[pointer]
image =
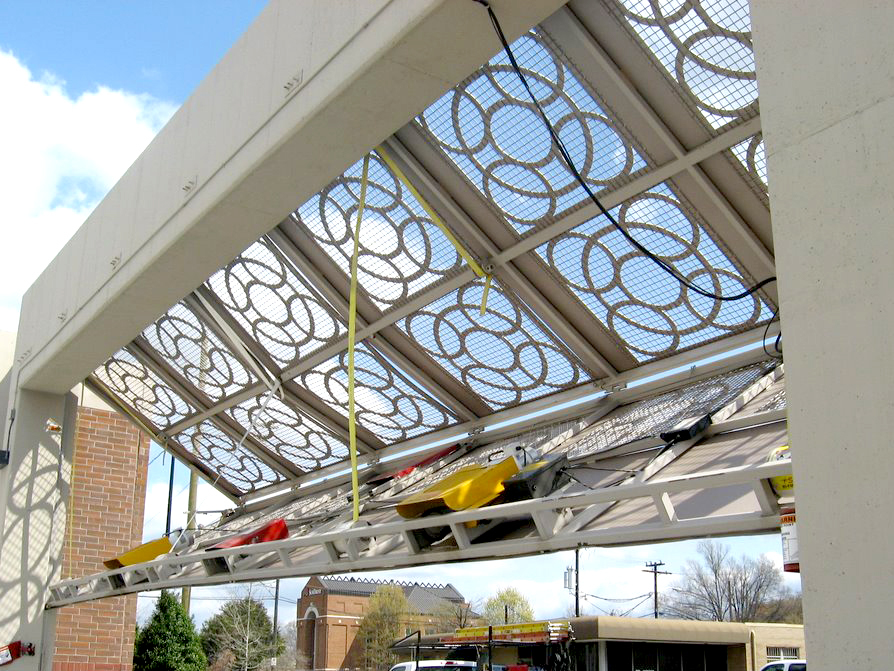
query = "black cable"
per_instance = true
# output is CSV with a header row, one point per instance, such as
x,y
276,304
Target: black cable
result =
x,y
12,419
778,337
610,470
661,263
580,482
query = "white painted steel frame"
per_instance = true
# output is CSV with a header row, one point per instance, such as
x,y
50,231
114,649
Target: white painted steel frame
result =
x,y
557,524
169,572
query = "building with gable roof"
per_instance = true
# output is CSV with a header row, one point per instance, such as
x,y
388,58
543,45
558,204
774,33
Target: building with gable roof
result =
x,y
330,610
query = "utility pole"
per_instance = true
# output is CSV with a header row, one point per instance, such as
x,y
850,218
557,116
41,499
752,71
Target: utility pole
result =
x,y
170,496
577,581
653,569
186,594
276,621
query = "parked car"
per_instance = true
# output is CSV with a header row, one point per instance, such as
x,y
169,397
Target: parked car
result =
x,y
786,665
435,665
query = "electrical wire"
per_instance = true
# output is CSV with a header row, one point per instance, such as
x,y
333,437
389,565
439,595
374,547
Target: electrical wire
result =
x,y
661,263
610,470
626,613
778,338
605,598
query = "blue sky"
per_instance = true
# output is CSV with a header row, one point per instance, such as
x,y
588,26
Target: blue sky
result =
x,y
86,86
160,47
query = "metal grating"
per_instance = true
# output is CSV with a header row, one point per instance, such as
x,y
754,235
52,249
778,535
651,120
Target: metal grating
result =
x,y
185,342
493,134
283,430
401,250
769,400
214,447
648,311
388,402
649,417
705,47
274,304
504,356
141,389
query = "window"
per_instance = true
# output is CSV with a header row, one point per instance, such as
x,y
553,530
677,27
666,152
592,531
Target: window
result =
x,y
775,654
715,657
645,657
797,667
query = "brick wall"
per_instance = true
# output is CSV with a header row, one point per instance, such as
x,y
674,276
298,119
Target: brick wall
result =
x,y
108,496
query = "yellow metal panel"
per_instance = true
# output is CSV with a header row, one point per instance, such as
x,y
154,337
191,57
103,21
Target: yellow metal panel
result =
x,y
141,553
470,487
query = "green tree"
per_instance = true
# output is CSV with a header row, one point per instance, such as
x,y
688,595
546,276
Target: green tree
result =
x,y
381,626
507,600
168,642
240,636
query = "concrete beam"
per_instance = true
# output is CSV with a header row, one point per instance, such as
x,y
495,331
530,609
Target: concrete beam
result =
x,y
826,77
307,90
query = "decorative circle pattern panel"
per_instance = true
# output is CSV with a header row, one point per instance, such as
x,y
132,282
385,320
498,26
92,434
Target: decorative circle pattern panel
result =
x,y
387,402
651,416
276,305
401,250
647,310
493,133
706,48
215,448
281,429
753,160
189,346
504,357
142,390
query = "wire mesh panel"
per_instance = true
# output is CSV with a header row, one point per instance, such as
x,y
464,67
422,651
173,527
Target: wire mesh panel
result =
x,y
705,48
139,388
649,417
283,430
388,403
753,163
184,341
770,399
274,304
220,452
493,134
504,356
401,250
645,309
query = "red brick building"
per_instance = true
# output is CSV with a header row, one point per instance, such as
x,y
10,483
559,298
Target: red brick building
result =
x,y
330,610
106,518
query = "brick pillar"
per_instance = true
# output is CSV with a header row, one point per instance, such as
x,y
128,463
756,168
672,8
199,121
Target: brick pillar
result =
x,y
108,497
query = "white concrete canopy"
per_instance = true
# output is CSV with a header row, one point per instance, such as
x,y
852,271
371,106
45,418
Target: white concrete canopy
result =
x,y
207,296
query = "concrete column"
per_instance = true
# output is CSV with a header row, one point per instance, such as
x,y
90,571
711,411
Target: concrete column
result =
x,y
826,79
33,498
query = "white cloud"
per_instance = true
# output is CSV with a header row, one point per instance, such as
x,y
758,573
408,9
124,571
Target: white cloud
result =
x,y
60,156
155,517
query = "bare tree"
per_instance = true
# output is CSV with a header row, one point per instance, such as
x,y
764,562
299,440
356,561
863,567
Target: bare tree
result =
x,y
458,614
242,634
288,656
722,588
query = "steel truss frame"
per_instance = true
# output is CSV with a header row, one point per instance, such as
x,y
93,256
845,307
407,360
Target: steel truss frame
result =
x,y
561,521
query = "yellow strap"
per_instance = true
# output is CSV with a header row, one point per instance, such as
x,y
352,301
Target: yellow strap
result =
x,y
352,331
473,264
